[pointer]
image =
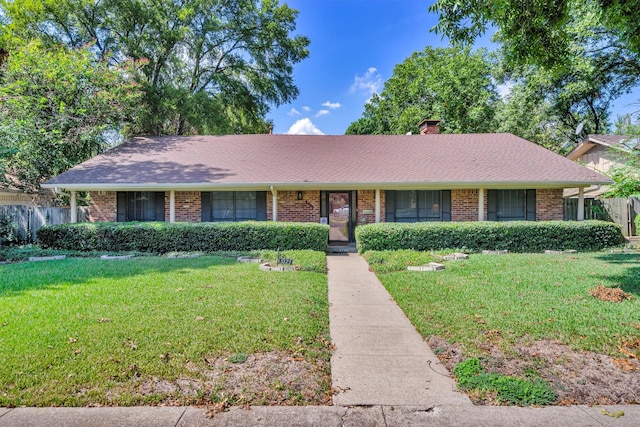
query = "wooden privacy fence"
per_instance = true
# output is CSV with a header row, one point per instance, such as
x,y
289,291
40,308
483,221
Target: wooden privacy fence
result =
x,y
622,211
29,219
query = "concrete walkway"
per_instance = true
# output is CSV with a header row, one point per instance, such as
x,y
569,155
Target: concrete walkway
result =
x,y
323,416
380,358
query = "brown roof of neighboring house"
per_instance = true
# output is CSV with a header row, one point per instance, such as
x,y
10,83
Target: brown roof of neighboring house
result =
x,y
327,162
620,142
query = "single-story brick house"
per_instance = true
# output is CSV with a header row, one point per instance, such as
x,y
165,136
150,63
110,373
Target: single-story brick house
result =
x,y
343,180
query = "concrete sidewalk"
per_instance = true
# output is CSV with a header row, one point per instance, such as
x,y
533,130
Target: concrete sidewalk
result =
x,y
324,416
379,357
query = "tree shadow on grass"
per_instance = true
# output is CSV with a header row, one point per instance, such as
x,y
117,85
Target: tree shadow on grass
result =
x,y
27,276
629,279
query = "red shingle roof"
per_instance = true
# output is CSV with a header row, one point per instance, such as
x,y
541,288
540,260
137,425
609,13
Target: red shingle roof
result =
x,y
327,162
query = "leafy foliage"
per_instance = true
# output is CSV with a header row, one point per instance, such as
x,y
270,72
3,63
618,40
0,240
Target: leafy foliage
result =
x,y
163,237
510,390
59,108
450,84
8,231
516,236
539,31
572,58
211,66
626,182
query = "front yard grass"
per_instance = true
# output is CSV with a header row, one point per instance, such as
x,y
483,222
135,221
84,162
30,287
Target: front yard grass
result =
x,y
154,330
513,311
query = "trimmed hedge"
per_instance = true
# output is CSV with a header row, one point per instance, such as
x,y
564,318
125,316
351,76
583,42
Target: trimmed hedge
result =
x,y
161,237
517,236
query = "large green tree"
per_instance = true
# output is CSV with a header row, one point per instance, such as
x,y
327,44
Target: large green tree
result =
x,y
571,57
541,31
211,66
59,107
451,84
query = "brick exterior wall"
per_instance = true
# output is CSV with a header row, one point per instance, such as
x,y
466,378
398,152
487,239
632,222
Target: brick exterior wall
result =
x,y
290,209
367,201
188,205
103,206
464,205
549,205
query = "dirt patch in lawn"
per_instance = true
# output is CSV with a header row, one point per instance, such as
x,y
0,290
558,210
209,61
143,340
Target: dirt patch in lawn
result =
x,y
578,377
274,378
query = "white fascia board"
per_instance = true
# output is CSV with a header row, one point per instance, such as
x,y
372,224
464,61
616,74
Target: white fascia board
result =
x,y
329,186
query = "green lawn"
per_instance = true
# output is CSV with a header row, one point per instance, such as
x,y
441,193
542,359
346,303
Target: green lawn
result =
x,y
519,295
73,331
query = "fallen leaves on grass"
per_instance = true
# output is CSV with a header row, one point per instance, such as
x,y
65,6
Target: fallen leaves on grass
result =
x,y
609,294
630,348
104,320
130,343
627,365
216,409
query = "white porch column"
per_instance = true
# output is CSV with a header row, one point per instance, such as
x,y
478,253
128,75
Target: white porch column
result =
x,y
172,206
481,204
581,204
377,205
274,204
74,208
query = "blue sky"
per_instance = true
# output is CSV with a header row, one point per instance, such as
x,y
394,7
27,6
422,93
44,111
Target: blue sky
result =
x,y
354,46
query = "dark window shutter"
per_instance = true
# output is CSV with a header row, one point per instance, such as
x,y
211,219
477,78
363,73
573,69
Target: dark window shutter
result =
x,y
531,205
205,206
121,207
324,211
492,205
390,205
445,205
159,195
261,205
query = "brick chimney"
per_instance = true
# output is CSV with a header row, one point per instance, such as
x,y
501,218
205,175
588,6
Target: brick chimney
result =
x,y
429,126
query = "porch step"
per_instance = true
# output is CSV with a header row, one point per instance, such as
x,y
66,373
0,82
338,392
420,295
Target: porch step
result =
x,y
341,249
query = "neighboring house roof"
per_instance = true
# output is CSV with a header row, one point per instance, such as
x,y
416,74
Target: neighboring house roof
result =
x,y
619,142
199,163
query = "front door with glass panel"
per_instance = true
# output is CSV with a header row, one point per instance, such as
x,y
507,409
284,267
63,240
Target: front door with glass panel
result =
x,y
339,216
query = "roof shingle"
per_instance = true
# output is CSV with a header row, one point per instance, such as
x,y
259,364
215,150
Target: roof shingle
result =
x,y
380,161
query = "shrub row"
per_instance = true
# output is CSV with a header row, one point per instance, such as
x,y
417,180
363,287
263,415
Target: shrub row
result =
x,y
517,236
161,237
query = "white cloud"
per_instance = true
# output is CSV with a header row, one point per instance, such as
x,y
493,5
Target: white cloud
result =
x,y
370,82
332,105
293,112
304,127
307,109
505,89
322,113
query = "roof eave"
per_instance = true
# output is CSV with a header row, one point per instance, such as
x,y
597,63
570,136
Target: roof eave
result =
x,y
330,186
